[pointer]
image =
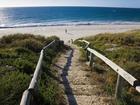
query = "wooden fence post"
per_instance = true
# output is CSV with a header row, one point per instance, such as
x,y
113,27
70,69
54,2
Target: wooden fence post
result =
x,y
118,87
61,44
91,59
87,55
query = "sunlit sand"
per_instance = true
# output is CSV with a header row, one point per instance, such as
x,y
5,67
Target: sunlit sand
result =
x,y
73,32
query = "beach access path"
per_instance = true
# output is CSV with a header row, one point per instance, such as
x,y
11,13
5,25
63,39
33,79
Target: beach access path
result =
x,y
77,80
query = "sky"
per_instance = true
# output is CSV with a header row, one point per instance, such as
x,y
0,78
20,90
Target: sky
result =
x,y
100,3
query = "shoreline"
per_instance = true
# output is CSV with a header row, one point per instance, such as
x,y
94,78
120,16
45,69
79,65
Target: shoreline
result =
x,y
69,24
73,32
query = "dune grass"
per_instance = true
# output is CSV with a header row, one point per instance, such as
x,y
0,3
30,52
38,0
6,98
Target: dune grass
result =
x,y
124,50
19,54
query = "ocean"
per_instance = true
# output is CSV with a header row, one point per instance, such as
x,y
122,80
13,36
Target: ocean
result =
x,y
61,16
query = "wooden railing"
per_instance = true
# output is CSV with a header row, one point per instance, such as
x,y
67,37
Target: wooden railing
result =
x,y
122,74
33,87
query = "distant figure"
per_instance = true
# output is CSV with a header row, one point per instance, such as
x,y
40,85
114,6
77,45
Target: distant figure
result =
x,y
72,41
66,31
69,41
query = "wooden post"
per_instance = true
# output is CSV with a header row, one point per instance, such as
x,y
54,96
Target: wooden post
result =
x,y
118,87
91,59
61,44
87,55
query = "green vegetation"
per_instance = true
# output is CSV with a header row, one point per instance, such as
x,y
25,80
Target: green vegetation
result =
x,y
124,50
82,55
19,54
50,92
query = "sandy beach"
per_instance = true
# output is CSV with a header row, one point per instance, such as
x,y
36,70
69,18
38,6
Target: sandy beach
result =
x,y
73,32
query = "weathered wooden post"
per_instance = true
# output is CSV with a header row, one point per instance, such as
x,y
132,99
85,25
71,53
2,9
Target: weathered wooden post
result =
x,y
92,63
91,59
87,55
118,87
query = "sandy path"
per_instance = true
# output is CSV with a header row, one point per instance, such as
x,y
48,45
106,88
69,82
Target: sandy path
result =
x,y
76,81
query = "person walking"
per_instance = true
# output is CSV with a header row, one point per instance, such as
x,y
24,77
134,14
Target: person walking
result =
x,y
66,31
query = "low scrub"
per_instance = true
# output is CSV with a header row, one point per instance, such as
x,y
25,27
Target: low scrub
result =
x,y
11,87
19,54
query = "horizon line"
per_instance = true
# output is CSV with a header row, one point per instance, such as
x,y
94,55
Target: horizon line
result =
x,y
69,6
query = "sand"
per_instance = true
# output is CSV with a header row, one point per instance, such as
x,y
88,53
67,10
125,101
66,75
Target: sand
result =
x,y
73,32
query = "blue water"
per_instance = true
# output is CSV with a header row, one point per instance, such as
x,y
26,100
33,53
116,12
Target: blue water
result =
x,y
53,16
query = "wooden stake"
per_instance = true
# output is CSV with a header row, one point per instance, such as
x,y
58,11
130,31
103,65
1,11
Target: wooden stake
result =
x,y
91,59
87,55
118,87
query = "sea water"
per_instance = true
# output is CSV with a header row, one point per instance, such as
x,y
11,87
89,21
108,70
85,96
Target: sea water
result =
x,y
61,16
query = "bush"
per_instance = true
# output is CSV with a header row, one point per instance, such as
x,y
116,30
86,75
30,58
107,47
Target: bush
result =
x,y
31,44
50,39
21,50
24,65
19,54
12,86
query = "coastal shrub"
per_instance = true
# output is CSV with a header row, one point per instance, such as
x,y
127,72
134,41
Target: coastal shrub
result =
x,y
50,95
3,71
24,66
50,39
49,54
13,37
19,54
8,55
12,86
19,36
110,82
133,68
21,50
128,40
16,38
30,44
6,40
50,92
33,45
82,55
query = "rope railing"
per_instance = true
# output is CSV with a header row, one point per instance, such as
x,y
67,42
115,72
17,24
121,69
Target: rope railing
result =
x,y
121,72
